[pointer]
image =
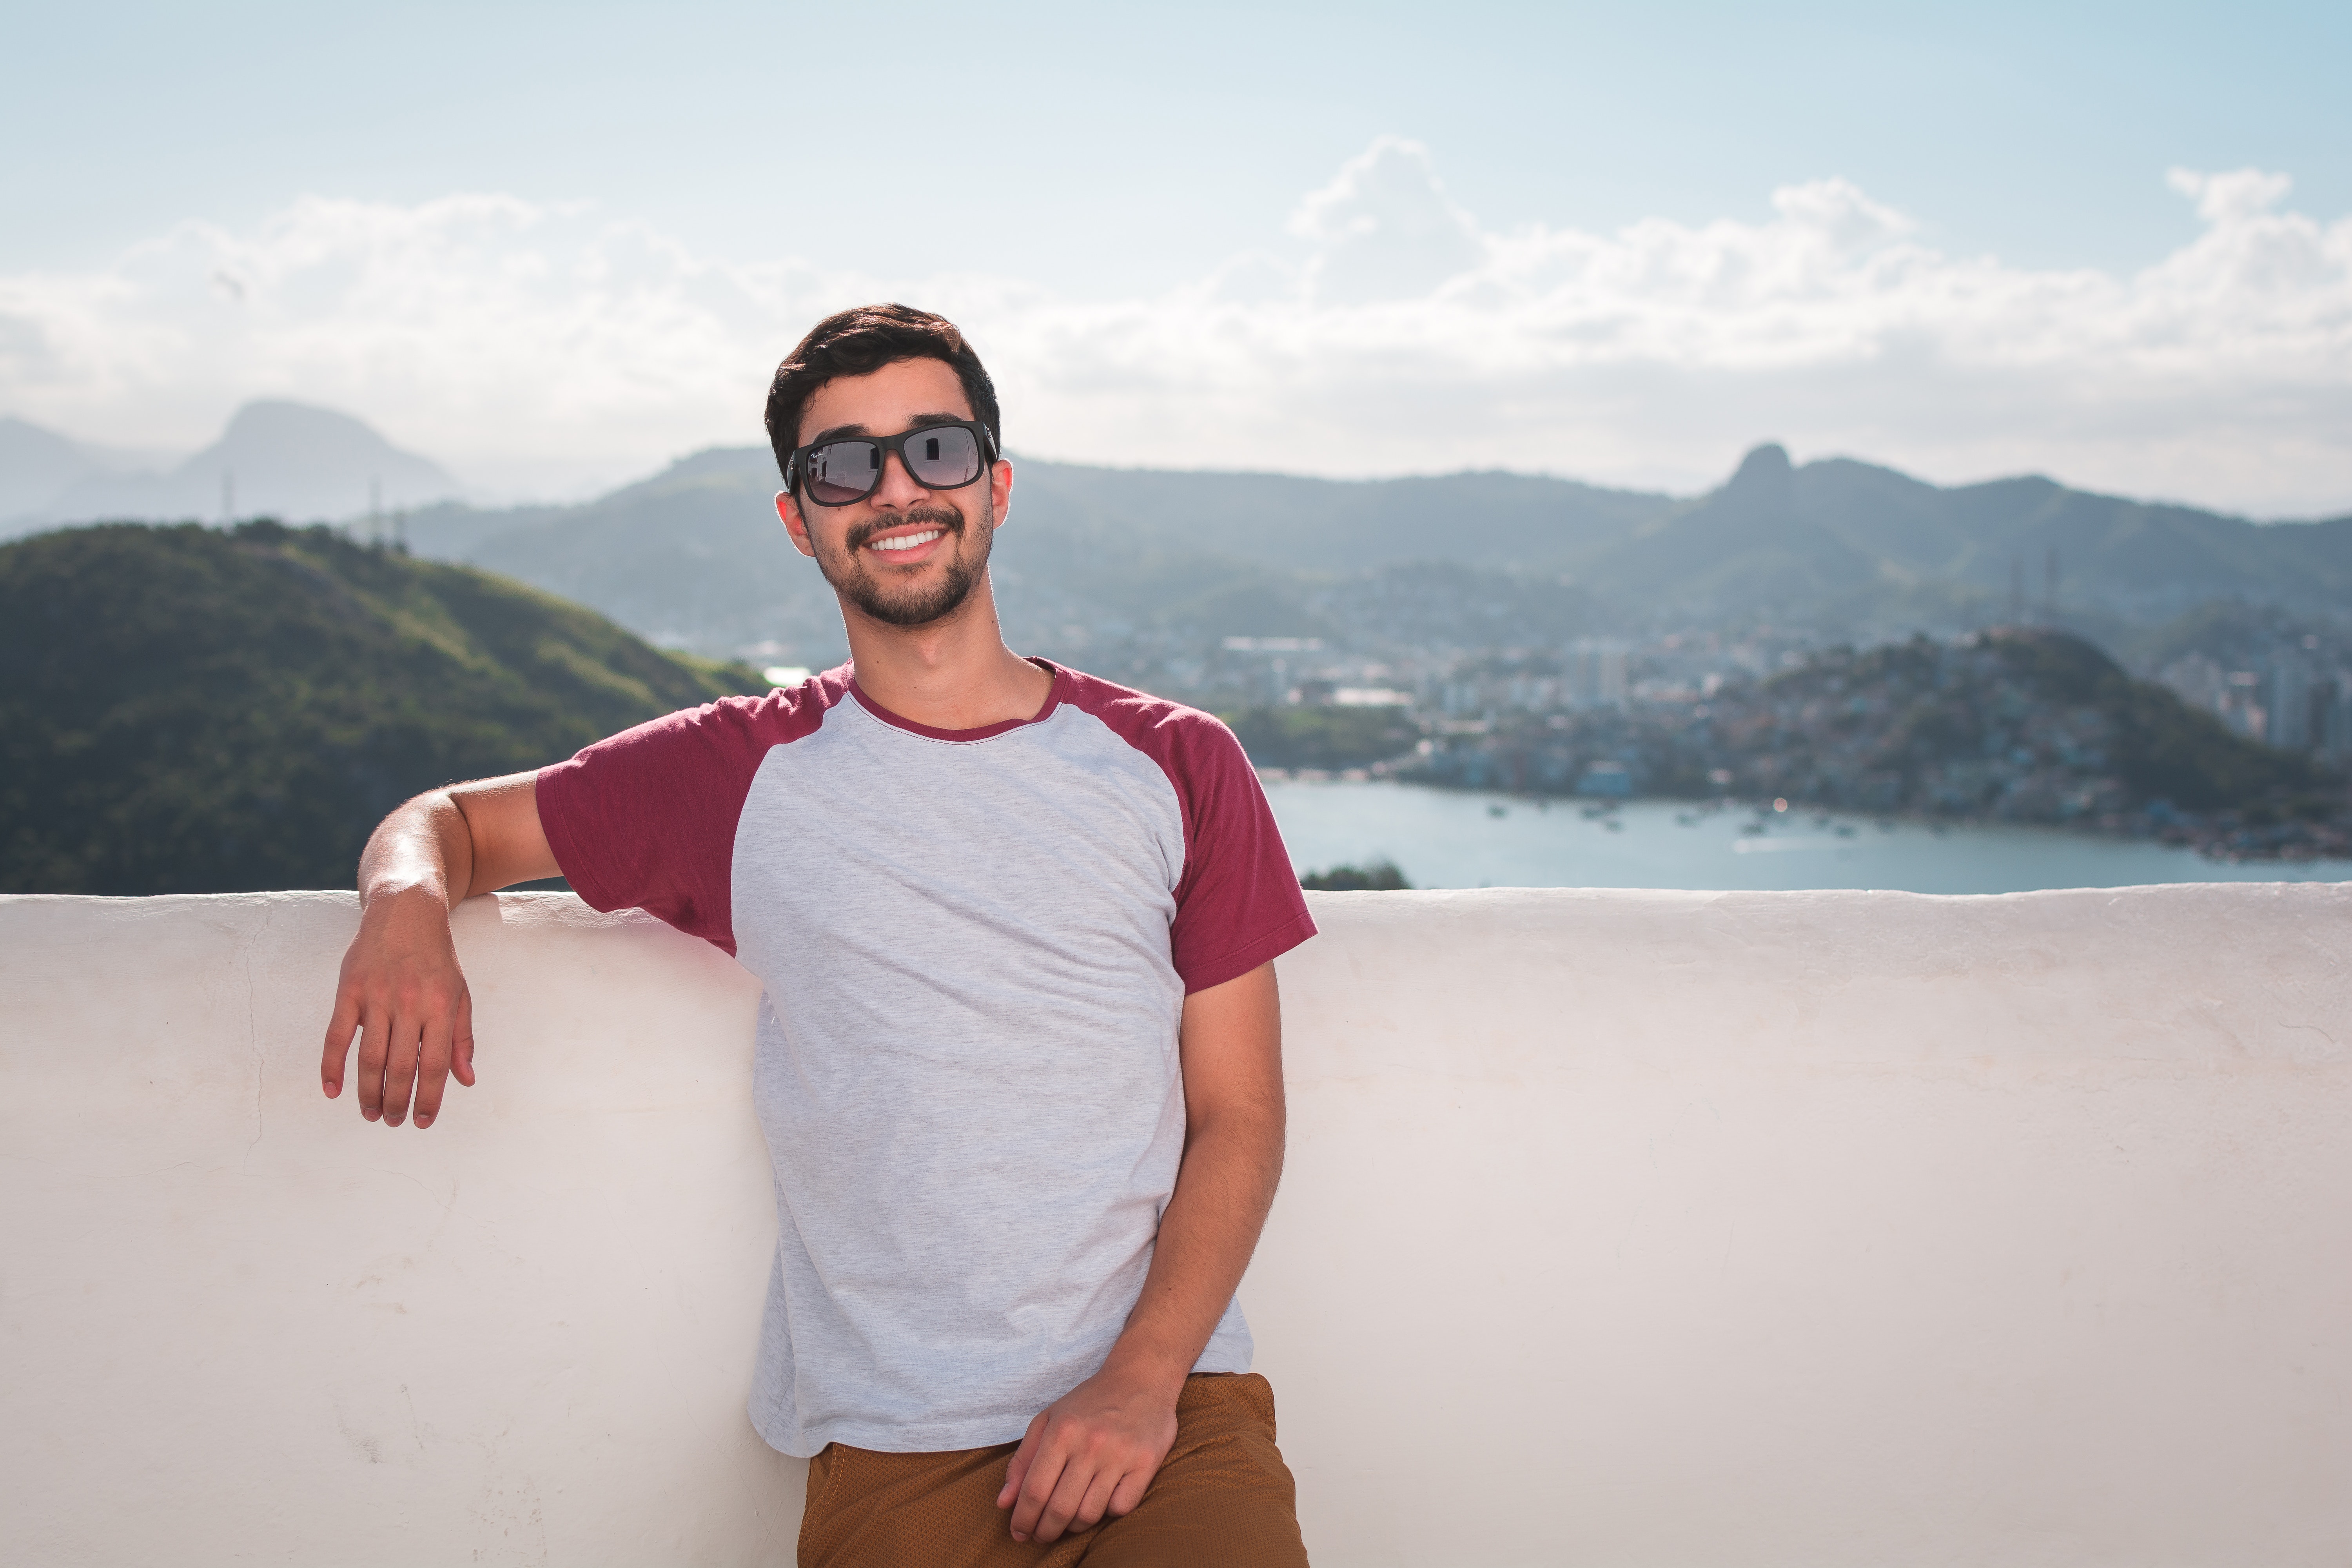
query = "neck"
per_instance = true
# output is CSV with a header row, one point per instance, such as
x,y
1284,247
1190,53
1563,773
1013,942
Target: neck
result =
x,y
953,674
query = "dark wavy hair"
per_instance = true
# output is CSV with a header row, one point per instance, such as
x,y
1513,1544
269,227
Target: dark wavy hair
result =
x,y
860,342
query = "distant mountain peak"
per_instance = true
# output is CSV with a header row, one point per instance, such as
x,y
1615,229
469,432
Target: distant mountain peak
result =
x,y
1765,466
1763,490
302,446
277,457
274,416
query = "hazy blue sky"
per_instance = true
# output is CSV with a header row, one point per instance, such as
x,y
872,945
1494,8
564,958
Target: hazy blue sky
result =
x,y
1115,148
1108,155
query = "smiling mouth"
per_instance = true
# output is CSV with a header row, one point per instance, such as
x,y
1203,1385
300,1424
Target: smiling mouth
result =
x,y
907,541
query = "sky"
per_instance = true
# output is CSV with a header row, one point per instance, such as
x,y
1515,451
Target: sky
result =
x,y
553,247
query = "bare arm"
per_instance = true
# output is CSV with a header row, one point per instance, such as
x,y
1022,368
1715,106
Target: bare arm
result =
x,y
401,987
1095,1450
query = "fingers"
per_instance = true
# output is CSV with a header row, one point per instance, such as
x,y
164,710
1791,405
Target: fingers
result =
x,y
412,1052
433,1065
1096,1501
401,1062
1060,1489
462,1051
1078,1493
1062,1506
1130,1492
375,1028
1021,1457
339,1029
1082,1458
1037,1483
1036,1492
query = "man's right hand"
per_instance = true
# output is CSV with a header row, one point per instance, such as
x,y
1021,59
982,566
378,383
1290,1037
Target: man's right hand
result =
x,y
402,989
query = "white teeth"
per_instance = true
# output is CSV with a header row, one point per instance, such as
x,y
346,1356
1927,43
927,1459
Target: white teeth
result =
x,y
905,541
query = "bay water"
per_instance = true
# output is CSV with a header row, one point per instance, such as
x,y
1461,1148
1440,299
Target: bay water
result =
x,y
1459,838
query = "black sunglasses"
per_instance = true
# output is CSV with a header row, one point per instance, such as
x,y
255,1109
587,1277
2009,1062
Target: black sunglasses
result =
x,y
943,457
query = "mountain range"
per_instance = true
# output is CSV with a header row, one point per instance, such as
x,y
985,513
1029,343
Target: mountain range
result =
x,y
694,557
288,460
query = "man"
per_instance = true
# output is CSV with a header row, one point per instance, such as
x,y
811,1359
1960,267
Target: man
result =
x,y
1019,1062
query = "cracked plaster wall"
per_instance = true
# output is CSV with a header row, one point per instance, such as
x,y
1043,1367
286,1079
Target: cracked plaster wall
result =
x,y
1635,1228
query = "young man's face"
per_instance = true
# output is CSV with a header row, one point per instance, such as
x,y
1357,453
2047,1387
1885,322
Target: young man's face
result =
x,y
905,555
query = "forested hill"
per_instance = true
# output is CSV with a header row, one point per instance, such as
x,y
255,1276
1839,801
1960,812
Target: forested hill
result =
x,y
183,709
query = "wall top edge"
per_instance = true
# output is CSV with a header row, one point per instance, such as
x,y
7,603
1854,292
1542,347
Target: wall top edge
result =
x,y
1402,900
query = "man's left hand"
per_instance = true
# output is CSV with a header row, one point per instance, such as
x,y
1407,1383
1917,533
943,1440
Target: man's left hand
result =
x,y
1088,1455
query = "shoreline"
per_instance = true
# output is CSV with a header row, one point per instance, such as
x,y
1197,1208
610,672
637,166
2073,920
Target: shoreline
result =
x,y
2224,837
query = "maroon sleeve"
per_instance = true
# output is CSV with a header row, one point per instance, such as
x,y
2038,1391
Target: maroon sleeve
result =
x,y
1237,902
647,819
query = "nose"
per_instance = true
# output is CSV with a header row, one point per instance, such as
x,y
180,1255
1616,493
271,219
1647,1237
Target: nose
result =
x,y
899,489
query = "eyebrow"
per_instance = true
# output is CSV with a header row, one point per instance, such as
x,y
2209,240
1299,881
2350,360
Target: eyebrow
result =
x,y
920,421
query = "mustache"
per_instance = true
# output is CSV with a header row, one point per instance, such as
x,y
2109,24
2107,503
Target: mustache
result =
x,y
936,514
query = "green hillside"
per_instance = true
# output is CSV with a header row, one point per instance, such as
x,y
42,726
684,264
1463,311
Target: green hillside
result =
x,y
183,709
2018,724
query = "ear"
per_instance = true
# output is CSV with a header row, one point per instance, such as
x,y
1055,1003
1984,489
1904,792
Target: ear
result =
x,y
795,524
999,489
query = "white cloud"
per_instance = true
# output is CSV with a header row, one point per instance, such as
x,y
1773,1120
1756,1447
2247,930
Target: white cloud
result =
x,y
520,341
1383,229
2236,196
535,345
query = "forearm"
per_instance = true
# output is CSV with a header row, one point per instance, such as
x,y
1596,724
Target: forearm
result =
x,y
1223,1189
425,846
458,842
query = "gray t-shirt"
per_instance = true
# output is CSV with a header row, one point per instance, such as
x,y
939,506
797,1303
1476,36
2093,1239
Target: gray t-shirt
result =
x,y
976,946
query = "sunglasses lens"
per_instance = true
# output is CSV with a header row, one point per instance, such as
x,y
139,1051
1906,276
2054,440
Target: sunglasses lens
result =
x,y
944,458
840,472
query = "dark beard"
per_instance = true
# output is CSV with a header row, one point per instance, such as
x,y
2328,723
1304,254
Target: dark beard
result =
x,y
909,609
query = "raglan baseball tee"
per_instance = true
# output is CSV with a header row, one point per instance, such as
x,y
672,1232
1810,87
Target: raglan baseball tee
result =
x,y
975,947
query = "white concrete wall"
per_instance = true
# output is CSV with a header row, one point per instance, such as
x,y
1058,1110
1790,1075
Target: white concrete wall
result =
x,y
1620,1229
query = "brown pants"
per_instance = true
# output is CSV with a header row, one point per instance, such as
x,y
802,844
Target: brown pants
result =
x,y
1222,1497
